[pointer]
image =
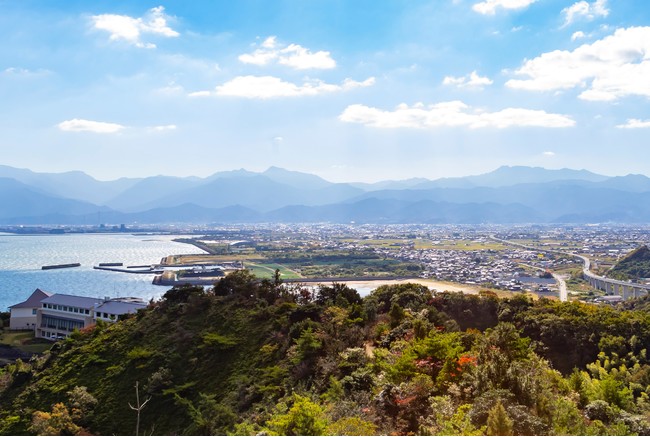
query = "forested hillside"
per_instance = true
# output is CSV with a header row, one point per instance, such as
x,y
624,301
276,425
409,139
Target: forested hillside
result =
x,y
636,265
247,356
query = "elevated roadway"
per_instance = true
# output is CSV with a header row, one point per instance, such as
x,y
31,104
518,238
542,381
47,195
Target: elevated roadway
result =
x,y
627,290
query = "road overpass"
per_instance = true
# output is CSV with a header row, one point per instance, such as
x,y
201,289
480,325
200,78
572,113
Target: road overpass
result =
x,y
627,290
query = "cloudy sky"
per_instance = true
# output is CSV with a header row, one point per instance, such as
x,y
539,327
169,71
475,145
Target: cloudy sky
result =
x,y
355,90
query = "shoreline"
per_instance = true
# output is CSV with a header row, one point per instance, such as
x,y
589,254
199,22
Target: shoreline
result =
x,y
439,286
431,283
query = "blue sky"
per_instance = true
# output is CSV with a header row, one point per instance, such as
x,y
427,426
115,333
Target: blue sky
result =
x,y
350,90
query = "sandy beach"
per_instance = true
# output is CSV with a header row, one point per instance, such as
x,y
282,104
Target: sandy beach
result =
x,y
431,283
365,287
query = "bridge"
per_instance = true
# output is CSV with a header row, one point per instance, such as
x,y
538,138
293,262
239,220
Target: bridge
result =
x,y
627,290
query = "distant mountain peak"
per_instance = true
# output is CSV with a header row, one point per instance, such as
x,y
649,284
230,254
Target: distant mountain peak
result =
x,y
274,168
295,178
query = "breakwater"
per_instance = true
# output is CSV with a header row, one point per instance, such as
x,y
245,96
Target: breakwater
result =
x,y
60,266
148,271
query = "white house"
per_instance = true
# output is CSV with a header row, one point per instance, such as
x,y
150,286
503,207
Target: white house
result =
x,y
23,315
60,314
54,316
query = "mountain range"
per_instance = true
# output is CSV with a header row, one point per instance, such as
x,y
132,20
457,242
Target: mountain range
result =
x,y
506,195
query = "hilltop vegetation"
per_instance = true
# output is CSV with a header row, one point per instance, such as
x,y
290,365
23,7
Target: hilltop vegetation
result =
x,y
635,265
249,356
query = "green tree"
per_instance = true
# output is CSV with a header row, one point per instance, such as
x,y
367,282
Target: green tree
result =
x,y
307,346
303,418
209,417
498,422
238,282
396,314
447,419
351,426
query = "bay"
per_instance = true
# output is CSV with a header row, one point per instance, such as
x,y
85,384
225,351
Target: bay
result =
x,y
22,256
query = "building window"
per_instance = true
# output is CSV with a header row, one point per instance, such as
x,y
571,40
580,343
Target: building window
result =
x,y
60,323
87,311
33,310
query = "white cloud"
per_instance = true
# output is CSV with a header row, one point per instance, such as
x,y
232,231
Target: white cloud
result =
x,y
165,127
200,94
613,67
549,154
268,87
292,55
129,29
472,80
171,89
80,125
582,9
634,123
489,7
577,35
25,72
451,114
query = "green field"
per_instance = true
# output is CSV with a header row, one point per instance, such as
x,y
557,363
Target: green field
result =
x,y
25,341
267,271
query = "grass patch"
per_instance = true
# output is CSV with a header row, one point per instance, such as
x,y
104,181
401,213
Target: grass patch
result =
x,y
24,341
208,259
267,271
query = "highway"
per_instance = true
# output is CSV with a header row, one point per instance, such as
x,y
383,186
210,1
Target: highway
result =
x,y
585,270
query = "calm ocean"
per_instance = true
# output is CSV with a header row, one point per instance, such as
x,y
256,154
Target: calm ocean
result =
x,y
21,258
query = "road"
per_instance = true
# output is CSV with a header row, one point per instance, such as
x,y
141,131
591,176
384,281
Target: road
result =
x,y
564,294
561,283
586,270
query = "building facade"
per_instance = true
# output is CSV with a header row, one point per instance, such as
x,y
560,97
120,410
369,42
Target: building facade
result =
x,y
55,316
23,315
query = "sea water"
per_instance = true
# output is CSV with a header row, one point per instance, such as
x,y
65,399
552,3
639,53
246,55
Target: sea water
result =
x,y
22,256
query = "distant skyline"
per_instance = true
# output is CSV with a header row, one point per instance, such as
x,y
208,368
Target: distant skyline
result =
x,y
348,90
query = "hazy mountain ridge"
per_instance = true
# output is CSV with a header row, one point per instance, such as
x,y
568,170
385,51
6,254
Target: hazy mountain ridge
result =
x,y
506,195
72,185
21,200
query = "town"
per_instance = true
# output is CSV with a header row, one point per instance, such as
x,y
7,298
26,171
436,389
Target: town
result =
x,y
526,258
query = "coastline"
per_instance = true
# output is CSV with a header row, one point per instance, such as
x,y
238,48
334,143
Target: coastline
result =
x,y
431,283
